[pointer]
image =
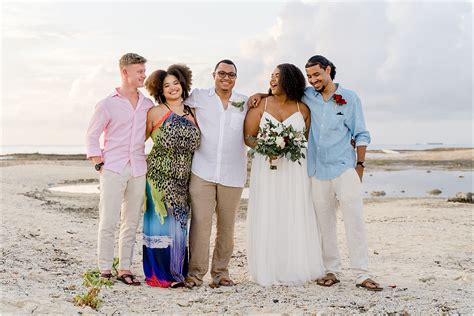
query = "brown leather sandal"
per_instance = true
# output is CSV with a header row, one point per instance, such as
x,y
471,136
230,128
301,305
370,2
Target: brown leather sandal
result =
x,y
329,280
189,283
128,279
222,282
374,286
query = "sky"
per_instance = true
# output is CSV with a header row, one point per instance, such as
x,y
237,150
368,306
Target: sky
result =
x,y
410,62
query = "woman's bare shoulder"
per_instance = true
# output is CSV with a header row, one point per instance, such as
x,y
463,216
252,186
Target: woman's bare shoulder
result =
x,y
157,112
304,108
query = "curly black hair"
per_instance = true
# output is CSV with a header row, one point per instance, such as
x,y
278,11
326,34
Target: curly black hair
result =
x,y
323,62
154,82
291,81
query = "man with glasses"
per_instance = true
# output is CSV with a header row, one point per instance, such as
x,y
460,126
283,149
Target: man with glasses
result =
x,y
219,171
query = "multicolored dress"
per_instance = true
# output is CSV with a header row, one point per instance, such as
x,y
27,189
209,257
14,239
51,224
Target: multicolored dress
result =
x,y
165,253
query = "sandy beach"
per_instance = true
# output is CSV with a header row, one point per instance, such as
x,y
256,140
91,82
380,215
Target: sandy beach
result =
x,y
422,246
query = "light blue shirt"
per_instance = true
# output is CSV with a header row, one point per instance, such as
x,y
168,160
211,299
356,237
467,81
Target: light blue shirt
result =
x,y
330,152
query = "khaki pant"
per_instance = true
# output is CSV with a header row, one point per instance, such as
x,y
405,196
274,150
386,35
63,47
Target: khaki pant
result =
x,y
343,193
205,198
121,198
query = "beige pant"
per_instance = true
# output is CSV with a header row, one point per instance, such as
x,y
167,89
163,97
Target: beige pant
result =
x,y
121,198
205,198
343,193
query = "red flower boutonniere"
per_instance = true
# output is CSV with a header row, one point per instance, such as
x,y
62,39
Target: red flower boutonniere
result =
x,y
339,100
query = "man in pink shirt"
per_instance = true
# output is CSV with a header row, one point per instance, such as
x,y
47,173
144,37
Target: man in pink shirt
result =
x,y
122,165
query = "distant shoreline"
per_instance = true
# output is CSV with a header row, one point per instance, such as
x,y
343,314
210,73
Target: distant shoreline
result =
x,y
436,158
79,156
8,150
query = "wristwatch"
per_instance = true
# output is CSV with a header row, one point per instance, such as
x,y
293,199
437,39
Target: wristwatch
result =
x,y
361,163
98,166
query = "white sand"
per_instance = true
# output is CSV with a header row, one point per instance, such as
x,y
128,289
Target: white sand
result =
x,y
423,246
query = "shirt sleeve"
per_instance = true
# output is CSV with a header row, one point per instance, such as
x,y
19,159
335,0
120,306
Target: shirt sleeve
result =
x,y
358,129
191,101
97,125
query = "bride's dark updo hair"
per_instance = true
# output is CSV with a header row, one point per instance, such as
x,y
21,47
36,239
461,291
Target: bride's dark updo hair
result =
x,y
154,82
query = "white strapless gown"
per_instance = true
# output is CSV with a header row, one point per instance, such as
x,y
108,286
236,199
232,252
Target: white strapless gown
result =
x,y
283,243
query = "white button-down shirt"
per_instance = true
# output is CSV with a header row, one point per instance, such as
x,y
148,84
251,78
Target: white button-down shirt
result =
x,y
222,156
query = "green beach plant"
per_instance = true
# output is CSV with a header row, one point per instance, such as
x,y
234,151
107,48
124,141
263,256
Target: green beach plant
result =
x,y
94,283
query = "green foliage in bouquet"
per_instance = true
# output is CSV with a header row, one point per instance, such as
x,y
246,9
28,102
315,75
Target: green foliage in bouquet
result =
x,y
279,141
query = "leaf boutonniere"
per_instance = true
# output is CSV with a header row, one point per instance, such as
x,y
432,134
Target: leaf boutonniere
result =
x,y
238,103
339,100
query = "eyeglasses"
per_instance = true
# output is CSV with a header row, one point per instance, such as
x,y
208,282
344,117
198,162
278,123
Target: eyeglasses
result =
x,y
222,74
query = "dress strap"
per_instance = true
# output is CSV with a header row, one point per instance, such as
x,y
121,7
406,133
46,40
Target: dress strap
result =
x,y
167,106
298,105
266,99
160,122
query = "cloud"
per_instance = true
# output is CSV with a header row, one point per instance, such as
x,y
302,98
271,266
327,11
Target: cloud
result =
x,y
86,88
407,61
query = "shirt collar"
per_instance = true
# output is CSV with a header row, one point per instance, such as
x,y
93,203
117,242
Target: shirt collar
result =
x,y
212,92
337,91
116,93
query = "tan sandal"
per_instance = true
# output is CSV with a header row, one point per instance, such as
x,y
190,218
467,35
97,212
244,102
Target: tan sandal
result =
x,y
222,282
329,280
189,283
370,285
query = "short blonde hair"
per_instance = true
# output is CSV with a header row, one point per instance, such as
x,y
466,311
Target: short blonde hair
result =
x,y
131,59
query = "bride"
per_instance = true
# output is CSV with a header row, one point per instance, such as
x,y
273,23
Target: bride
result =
x,y
283,245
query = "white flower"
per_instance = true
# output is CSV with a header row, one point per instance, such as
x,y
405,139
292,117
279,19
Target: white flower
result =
x,y
280,142
299,136
238,103
279,129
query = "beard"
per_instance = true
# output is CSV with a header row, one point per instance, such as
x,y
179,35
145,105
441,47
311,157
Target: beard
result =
x,y
321,89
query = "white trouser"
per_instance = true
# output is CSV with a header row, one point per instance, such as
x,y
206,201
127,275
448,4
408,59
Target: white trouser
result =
x,y
121,197
345,193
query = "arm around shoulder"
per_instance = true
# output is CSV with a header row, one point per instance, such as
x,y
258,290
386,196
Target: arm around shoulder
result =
x,y
255,99
251,125
192,100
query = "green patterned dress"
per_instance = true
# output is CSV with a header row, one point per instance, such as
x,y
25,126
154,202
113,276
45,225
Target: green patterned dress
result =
x,y
165,256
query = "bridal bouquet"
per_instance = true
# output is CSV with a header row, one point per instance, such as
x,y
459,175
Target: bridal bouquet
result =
x,y
274,141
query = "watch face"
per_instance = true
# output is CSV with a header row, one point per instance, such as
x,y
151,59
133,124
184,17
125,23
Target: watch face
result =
x,y
98,166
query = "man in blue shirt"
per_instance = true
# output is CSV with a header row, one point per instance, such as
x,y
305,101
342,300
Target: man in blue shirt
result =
x,y
336,170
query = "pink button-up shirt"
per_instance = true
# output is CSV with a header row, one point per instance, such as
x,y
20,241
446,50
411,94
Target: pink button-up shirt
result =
x,y
124,133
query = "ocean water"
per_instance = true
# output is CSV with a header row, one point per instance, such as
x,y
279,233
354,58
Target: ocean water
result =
x,y
407,183
81,149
